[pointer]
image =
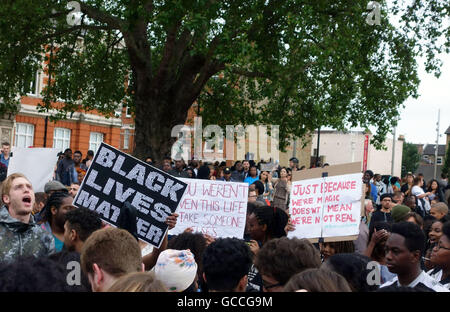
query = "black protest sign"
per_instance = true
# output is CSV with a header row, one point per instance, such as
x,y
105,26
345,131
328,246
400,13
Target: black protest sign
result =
x,y
115,178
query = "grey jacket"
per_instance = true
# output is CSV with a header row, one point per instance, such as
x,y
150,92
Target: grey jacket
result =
x,y
21,239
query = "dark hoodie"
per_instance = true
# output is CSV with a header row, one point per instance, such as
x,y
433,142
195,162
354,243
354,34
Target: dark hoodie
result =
x,y
22,239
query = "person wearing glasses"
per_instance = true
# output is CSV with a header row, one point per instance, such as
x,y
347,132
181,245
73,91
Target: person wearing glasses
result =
x,y
441,257
384,213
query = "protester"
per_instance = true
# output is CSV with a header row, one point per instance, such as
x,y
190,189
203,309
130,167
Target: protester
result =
x,y
439,210
204,172
293,164
226,263
376,249
406,188
422,197
191,173
331,248
19,234
411,202
317,280
73,190
252,195
138,282
54,186
266,178
227,175
354,268
266,223
441,258
89,157
252,175
367,177
107,255
66,169
414,217
178,171
397,198
5,154
399,212
281,191
238,172
246,169
436,193
196,243
177,270
79,167
79,225
281,258
259,188
404,249
39,203
55,210
383,214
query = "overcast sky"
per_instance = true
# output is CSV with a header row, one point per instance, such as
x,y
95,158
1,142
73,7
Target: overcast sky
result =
x,y
419,117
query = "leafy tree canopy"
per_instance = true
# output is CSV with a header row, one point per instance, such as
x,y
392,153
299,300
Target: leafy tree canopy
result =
x,y
299,64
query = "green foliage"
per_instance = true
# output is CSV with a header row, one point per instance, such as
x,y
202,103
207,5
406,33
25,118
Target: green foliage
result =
x,y
410,158
446,166
299,64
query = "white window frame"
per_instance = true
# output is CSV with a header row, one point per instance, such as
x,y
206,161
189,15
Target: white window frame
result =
x,y
126,139
127,112
28,134
439,160
94,142
425,157
36,90
64,139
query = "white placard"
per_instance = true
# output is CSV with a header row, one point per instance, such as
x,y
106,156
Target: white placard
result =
x,y
326,207
216,208
37,164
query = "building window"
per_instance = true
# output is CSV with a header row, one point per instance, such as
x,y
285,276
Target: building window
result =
x,y
95,140
127,112
32,84
425,157
126,139
24,135
61,139
439,160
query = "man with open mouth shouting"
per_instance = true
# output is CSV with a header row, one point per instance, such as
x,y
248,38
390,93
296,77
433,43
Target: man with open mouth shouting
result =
x,y
19,234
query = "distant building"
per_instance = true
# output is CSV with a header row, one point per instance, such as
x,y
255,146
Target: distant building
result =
x,y
337,147
429,154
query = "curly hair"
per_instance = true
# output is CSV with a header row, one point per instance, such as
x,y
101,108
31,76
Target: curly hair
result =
x,y
225,262
275,219
84,221
195,242
55,200
281,258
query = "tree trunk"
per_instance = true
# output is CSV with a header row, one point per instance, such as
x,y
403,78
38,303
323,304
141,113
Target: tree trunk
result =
x,y
154,119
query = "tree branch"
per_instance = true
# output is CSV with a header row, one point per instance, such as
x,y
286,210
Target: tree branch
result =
x,y
100,16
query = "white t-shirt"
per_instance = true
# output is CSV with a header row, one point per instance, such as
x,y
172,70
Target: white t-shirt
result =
x,y
423,278
416,191
437,275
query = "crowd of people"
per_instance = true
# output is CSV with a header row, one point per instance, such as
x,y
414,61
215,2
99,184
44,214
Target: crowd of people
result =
x,y
403,242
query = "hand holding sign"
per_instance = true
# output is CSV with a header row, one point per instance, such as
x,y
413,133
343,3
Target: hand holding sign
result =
x,y
115,178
